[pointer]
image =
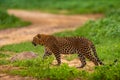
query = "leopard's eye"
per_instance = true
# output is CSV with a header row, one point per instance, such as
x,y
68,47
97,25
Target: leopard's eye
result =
x,y
39,36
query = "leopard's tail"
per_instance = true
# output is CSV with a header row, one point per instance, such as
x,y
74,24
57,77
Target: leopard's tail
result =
x,y
95,54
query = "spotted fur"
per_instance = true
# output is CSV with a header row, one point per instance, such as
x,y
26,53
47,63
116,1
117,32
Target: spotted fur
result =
x,y
68,45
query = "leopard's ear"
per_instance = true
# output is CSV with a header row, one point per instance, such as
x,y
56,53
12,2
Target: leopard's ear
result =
x,y
38,35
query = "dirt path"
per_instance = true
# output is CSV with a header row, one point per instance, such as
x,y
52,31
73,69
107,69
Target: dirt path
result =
x,y
4,76
10,77
41,23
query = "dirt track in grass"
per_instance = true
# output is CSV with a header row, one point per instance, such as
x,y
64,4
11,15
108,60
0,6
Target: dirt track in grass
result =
x,y
41,23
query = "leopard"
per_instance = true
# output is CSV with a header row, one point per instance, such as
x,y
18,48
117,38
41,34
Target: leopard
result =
x,y
56,45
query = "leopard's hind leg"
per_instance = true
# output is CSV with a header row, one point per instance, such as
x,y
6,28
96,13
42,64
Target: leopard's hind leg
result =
x,y
82,59
95,54
91,57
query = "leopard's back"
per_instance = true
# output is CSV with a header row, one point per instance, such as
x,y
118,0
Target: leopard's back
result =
x,y
70,45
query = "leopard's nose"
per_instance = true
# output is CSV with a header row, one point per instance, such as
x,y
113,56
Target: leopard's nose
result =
x,y
33,43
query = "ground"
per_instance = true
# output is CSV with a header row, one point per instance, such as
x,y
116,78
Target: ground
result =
x,y
41,23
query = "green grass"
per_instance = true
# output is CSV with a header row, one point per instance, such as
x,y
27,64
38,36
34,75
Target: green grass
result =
x,y
65,6
42,69
10,21
105,35
4,62
71,57
106,73
3,55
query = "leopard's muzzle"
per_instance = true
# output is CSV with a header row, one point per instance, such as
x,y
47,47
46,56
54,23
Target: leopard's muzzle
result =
x,y
34,44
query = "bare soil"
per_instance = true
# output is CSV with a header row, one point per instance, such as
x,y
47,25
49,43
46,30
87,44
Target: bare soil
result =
x,y
41,23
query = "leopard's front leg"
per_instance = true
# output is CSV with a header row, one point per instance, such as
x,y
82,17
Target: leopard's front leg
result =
x,y
56,52
58,58
47,52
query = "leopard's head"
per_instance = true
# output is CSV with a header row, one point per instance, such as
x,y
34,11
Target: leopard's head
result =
x,y
39,39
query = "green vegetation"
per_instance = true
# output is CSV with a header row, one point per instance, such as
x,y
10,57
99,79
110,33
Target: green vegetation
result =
x,y
54,6
63,6
42,69
4,62
10,21
3,55
105,35
106,73
71,57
